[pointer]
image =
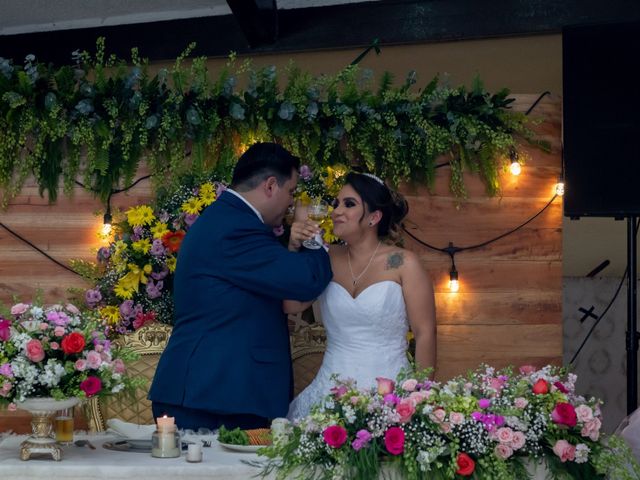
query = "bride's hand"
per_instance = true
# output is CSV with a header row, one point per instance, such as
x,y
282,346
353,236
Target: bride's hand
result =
x,y
301,231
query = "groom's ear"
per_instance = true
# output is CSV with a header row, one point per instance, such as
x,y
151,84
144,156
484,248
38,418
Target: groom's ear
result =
x,y
270,185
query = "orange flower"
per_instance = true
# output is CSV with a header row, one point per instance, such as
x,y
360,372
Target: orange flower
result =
x,y
173,240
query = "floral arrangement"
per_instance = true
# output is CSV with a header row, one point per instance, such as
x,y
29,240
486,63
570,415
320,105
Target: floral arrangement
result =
x,y
99,116
487,425
57,351
134,273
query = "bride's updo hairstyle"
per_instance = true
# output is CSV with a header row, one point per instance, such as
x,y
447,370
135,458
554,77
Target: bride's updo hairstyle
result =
x,y
377,196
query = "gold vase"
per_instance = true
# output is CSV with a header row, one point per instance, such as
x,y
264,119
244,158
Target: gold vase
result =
x,y
42,442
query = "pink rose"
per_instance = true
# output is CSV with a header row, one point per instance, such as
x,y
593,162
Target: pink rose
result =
x,y
118,366
518,440
419,396
354,399
521,402
58,331
564,414
80,365
94,360
91,386
504,435
72,308
591,429
564,450
456,418
409,385
445,427
54,345
527,369
19,308
394,440
438,415
339,392
5,329
385,385
335,436
503,451
405,409
584,413
34,350
6,388
44,325
496,384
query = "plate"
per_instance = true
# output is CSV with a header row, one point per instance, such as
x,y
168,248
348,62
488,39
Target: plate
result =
x,y
139,443
129,445
242,448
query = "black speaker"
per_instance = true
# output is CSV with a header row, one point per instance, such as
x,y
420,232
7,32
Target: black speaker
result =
x,y
601,120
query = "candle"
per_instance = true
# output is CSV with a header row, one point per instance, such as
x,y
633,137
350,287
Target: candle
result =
x,y
165,439
165,423
194,452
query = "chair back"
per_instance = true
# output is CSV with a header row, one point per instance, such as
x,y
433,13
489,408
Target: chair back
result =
x,y
148,342
308,343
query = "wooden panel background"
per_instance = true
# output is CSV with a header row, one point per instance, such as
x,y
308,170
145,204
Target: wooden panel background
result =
x,y
508,310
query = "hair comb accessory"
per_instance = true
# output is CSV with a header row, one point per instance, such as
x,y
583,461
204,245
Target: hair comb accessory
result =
x,y
376,178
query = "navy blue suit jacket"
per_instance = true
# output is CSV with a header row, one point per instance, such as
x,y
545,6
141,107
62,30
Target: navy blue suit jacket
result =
x,y
229,350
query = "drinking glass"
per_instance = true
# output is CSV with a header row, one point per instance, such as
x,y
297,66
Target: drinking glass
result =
x,y
317,210
63,426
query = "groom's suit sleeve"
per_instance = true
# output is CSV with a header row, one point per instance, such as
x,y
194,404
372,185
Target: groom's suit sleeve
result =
x,y
259,263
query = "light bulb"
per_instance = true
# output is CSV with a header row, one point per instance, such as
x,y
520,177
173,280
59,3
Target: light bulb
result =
x,y
106,226
454,284
560,188
515,167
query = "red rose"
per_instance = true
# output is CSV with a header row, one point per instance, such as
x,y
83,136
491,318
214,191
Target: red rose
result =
x,y
394,440
73,343
466,465
172,240
541,387
335,436
91,386
564,414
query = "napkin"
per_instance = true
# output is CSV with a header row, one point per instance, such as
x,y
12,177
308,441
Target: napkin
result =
x,y
629,429
130,430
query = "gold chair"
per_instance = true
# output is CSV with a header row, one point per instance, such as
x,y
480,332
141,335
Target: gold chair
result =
x,y
308,341
148,342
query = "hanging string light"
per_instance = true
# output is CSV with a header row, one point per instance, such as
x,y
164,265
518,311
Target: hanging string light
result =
x,y
516,166
560,187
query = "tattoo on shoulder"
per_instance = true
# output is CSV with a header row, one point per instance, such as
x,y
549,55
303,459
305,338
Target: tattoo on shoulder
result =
x,y
394,260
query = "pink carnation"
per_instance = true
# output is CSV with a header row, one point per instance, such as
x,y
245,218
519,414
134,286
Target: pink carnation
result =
x,y
584,413
591,429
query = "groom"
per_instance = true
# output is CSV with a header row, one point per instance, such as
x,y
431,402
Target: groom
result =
x,y
228,360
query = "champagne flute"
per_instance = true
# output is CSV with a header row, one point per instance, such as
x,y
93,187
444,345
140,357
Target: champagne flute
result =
x,y
317,210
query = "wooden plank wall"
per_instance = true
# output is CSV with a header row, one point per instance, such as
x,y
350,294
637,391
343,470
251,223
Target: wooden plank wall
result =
x,y
508,309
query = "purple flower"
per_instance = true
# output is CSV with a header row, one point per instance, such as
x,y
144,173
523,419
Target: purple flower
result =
x,y
305,172
163,216
484,403
220,187
6,371
103,254
478,416
161,274
391,398
92,297
363,437
126,309
157,248
190,218
154,289
279,230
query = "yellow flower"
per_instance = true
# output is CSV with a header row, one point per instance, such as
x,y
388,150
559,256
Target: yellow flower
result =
x,y
304,198
142,246
193,205
207,199
159,229
140,216
171,264
111,314
327,226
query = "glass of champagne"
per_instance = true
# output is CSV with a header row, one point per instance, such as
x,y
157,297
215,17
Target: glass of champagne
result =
x,y
317,210
63,426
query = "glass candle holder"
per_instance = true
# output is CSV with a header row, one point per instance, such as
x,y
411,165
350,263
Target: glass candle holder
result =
x,y
165,442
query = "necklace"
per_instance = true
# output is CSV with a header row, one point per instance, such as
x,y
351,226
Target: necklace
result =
x,y
353,277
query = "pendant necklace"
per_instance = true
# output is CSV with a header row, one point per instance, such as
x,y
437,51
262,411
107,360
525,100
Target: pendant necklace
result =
x,y
353,277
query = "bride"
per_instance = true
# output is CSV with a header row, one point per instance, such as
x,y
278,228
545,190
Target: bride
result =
x,y
378,291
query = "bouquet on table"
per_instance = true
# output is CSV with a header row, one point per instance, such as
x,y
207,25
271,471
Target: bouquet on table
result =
x,y
57,351
487,425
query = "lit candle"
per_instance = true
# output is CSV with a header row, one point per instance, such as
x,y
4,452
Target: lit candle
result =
x,y
164,443
166,423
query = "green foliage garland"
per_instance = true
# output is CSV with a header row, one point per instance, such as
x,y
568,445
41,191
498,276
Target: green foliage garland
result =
x,y
97,119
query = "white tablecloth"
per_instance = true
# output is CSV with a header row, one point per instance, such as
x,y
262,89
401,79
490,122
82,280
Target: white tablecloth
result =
x,y
82,463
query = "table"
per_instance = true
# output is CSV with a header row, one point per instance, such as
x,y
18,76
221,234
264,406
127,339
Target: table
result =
x,y
82,463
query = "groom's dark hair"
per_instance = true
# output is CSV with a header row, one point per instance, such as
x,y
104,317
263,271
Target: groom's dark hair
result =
x,y
261,161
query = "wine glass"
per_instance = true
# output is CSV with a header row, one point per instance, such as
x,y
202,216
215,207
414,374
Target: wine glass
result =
x,y
317,210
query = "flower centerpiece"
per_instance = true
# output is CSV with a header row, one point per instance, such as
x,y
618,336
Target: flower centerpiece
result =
x,y
50,358
489,424
133,277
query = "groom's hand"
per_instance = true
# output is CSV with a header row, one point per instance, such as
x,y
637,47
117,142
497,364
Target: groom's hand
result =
x,y
301,231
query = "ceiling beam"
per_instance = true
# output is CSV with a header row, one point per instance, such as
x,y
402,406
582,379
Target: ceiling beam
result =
x,y
258,20
353,25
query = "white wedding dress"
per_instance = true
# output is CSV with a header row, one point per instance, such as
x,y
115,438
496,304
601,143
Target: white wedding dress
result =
x,y
366,338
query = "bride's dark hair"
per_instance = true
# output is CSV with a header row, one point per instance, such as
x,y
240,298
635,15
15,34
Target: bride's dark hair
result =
x,y
378,196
